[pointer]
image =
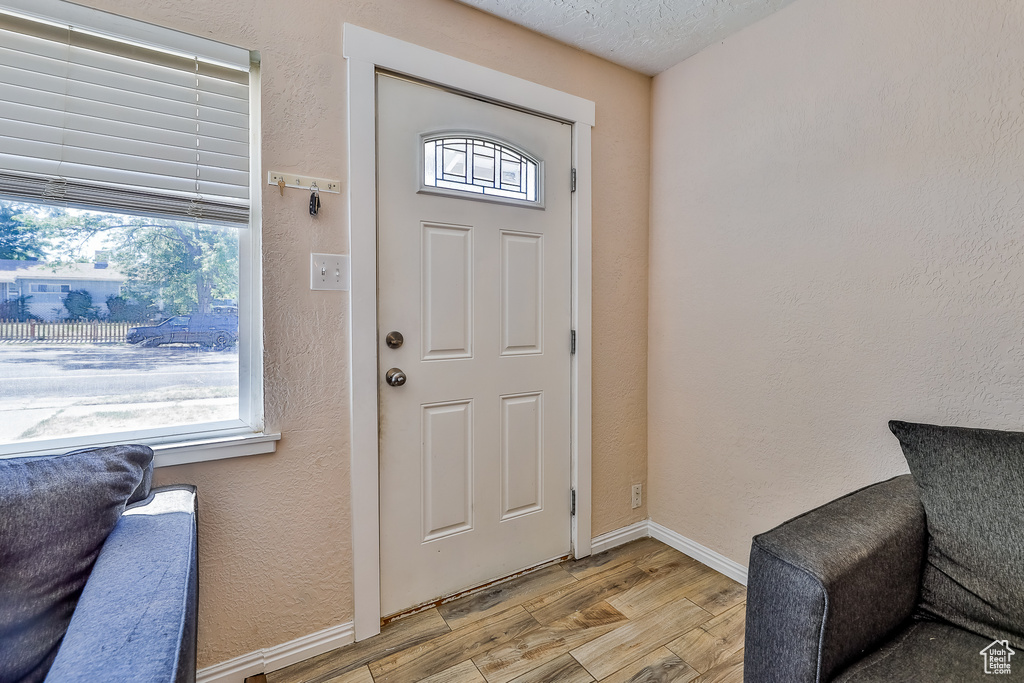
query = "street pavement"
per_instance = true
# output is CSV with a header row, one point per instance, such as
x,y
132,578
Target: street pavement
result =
x,y
40,382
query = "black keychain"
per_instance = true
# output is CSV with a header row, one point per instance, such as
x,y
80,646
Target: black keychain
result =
x,y
314,200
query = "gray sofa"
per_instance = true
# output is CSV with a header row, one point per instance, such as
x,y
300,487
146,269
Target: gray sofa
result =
x,y
918,578
98,573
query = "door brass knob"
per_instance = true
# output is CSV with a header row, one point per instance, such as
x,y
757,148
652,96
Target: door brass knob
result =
x,y
395,377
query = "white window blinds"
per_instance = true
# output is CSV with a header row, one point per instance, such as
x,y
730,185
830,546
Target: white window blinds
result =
x,y
113,123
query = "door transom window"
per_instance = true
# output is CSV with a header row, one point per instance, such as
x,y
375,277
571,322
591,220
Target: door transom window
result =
x,y
479,165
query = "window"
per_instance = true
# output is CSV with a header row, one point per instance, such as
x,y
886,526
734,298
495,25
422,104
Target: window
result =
x,y
125,203
480,166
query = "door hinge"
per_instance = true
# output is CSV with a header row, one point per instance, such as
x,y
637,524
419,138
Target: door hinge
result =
x,y
572,344
573,180
572,502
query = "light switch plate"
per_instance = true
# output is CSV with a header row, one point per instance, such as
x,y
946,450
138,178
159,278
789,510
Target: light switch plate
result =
x,y
329,272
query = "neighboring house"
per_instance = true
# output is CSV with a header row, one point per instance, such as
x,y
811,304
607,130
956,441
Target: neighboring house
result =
x,y
48,284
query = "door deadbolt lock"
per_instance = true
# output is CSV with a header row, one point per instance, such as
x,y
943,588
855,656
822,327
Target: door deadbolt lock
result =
x,y
395,377
394,340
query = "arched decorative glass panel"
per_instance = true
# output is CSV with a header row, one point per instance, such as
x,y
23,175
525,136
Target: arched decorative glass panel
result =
x,y
481,166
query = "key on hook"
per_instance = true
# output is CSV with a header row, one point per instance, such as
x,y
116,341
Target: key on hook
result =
x,y
280,184
314,200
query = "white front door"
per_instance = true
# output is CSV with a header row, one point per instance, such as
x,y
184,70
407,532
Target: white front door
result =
x,y
474,267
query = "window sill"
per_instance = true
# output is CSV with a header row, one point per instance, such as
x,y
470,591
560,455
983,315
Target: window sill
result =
x,y
204,450
169,449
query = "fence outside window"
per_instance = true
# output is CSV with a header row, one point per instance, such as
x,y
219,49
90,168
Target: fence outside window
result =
x,y
84,332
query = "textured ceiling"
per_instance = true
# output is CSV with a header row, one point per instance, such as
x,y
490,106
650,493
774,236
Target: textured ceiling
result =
x,y
648,36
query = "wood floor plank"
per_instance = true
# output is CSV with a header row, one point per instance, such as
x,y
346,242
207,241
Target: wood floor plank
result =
x,y
641,613
591,590
716,593
615,557
464,672
729,624
533,648
664,559
498,598
659,589
564,669
437,654
729,671
398,635
713,642
702,650
660,666
615,649
360,675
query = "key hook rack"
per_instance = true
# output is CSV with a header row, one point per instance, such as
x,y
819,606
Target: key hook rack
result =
x,y
301,182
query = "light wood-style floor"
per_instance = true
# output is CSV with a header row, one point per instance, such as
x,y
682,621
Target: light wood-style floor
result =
x,y
642,612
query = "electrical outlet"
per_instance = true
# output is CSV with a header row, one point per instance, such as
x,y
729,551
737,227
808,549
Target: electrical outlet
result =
x,y
637,497
328,271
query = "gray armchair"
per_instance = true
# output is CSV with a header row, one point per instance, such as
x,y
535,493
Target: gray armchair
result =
x,y
833,595
98,572
136,619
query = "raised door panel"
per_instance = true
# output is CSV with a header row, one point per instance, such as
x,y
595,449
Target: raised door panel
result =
x,y
522,292
447,469
446,291
522,454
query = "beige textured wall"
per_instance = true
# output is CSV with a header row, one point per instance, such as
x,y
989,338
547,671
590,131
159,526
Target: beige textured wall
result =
x,y
275,530
835,242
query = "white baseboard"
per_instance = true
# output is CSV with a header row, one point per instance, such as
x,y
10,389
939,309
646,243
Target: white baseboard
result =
x,y
279,656
234,670
618,537
706,556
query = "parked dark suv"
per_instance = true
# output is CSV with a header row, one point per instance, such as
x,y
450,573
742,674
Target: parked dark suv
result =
x,y
217,332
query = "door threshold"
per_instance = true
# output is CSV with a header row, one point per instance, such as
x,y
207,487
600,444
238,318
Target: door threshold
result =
x,y
384,621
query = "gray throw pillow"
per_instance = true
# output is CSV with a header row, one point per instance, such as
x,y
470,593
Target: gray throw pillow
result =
x,y
971,483
55,514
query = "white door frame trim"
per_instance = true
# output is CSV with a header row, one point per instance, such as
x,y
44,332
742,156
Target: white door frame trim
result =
x,y
365,51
